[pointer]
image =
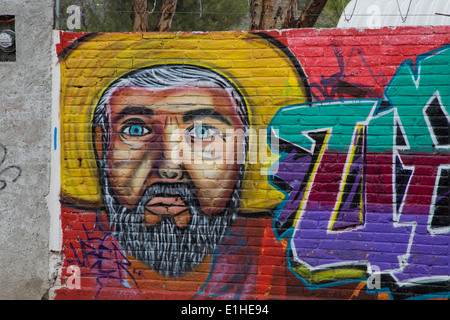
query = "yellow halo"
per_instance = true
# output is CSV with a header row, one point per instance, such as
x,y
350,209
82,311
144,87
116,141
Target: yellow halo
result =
x,y
267,78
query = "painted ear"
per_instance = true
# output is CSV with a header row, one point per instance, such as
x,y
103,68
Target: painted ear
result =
x,y
98,144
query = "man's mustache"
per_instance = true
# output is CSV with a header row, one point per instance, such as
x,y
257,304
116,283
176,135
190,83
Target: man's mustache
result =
x,y
164,189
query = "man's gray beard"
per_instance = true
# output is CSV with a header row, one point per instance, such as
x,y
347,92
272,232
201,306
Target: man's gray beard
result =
x,y
166,248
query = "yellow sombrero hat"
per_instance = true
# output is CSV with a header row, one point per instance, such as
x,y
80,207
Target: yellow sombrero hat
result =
x,y
267,78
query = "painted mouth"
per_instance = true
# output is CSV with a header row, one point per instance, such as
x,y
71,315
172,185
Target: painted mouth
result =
x,y
171,206
160,207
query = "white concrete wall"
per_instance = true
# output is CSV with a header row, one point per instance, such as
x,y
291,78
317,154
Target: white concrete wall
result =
x,y
26,135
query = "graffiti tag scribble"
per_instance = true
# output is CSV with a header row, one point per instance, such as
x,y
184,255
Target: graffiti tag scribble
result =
x,y
102,257
11,173
338,84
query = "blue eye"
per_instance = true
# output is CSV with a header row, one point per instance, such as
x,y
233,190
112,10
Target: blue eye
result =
x,y
202,132
135,130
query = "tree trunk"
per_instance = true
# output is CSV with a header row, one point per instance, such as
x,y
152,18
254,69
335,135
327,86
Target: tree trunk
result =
x,y
139,15
311,13
273,14
165,17
282,14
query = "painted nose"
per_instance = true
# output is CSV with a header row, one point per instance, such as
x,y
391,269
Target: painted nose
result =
x,y
169,167
170,170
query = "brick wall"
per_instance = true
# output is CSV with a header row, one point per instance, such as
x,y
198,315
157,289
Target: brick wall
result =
x,y
273,165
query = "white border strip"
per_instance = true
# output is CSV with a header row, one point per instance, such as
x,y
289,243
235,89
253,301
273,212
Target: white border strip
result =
x,y
55,241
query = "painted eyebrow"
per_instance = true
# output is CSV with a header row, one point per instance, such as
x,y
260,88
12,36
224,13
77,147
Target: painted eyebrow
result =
x,y
133,110
204,113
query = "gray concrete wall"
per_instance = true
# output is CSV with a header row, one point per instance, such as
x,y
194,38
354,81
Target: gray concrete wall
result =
x,y
25,144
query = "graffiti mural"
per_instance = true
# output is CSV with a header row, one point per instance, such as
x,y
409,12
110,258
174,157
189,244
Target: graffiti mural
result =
x,y
219,166
357,230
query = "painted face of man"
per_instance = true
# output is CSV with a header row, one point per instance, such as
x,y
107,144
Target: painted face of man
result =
x,y
170,147
148,129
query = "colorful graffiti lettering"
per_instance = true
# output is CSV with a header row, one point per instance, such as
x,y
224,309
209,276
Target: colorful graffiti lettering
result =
x,y
403,139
